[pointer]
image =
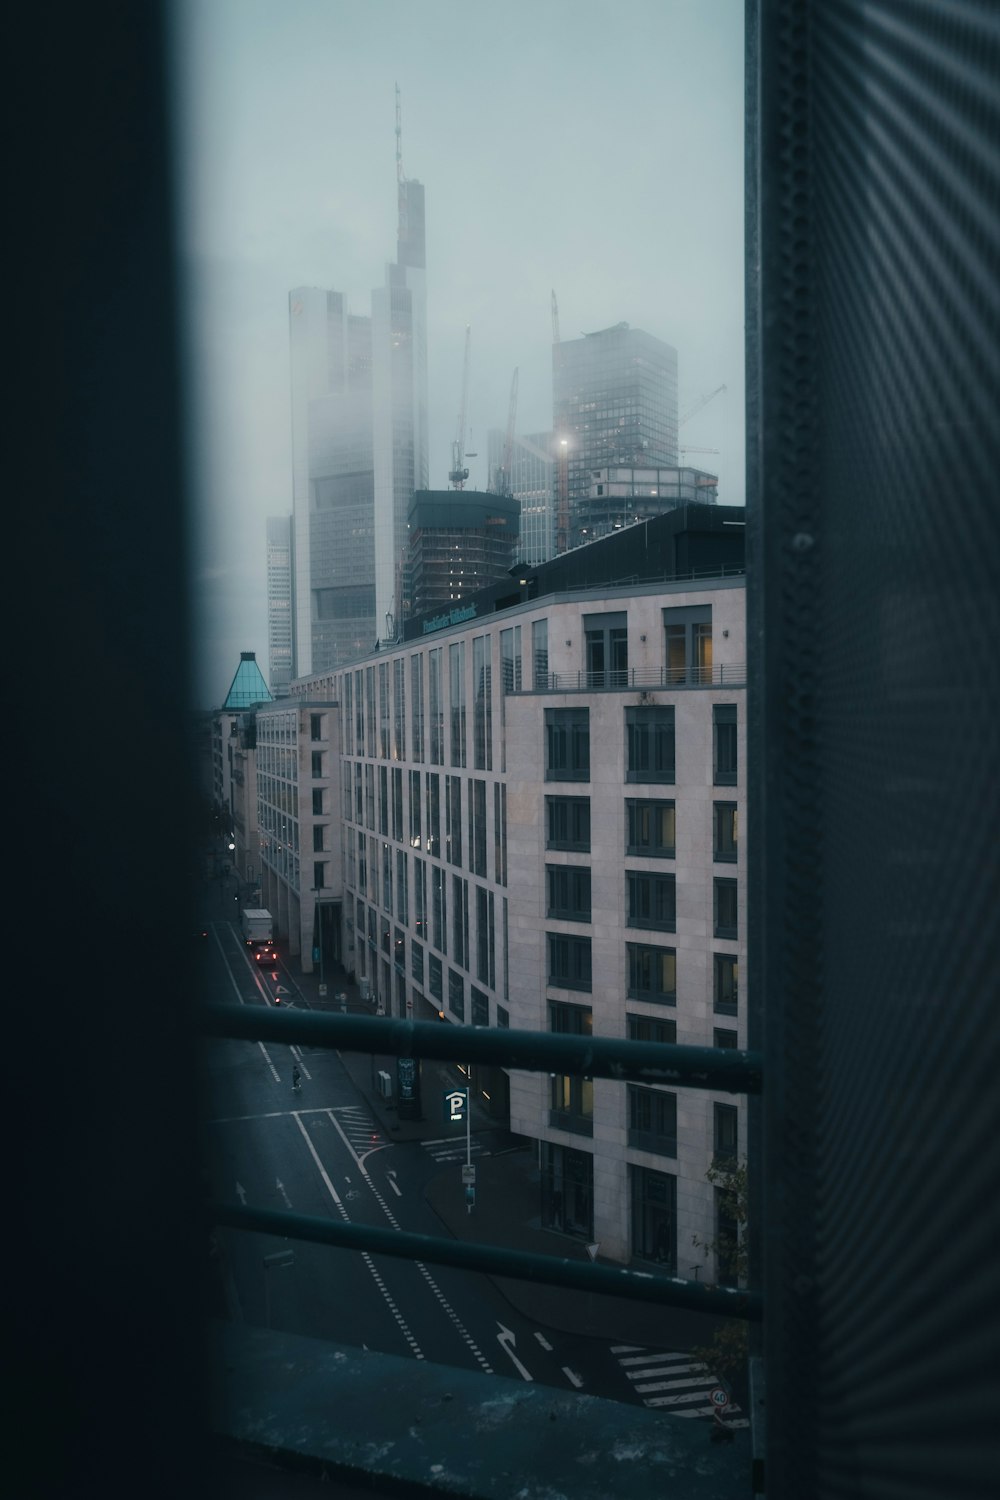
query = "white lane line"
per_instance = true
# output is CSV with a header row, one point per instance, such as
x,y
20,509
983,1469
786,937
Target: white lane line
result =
x,y
571,1377
369,1263
544,1342
506,1340
446,1306
676,1385
281,1190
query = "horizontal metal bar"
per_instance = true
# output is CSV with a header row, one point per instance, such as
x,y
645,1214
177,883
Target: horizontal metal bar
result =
x,y
721,1069
521,1265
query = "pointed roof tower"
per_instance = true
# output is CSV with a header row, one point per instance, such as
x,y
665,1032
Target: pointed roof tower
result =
x,y
248,686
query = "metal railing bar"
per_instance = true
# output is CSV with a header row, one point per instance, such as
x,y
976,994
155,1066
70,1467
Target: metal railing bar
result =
x,y
725,1070
520,1265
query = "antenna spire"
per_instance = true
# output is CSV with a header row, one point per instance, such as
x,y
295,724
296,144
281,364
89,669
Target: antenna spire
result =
x,y
400,177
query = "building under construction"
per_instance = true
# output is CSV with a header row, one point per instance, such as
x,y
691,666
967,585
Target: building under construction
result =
x,y
460,541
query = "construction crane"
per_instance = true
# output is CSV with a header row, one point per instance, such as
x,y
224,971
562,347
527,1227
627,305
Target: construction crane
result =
x,y
501,481
458,473
702,401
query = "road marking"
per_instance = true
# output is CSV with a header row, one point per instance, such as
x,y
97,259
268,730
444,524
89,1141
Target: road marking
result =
x,y
393,1183
573,1379
297,1054
506,1340
369,1263
281,1190
544,1342
241,1193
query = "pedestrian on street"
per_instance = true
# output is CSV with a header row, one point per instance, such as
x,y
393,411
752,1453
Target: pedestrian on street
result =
x,y
296,1076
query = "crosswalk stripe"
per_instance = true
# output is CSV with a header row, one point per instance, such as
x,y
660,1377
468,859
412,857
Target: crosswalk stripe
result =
x,y
675,1385
689,1386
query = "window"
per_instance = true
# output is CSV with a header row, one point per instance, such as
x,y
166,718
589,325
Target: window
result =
x,y
503,1018
417,704
316,763
479,1005
456,995
415,810
399,714
567,744
724,832
402,887
606,644
477,827
417,962
369,795
568,1190
726,981
725,1131
317,797
482,705
433,845
439,909
540,653
652,973
649,743
499,833
383,800
419,897
436,706
318,832
460,920
319,874
569,961
453,819
435,976
397,804
567,822
652,1120
569,892
456,669
483,936
315,726
651,1029
654,1217
651,900
650,829
688,645
725,907
724,744
723,1037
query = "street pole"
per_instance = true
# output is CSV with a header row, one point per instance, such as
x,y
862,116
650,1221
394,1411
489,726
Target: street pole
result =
x,y
468,1128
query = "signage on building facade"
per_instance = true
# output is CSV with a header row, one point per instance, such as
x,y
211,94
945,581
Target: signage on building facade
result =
x,y
453,617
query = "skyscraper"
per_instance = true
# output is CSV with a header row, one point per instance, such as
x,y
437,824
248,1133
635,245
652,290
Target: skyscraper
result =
x,y
359,448
614,401
279,603
530,481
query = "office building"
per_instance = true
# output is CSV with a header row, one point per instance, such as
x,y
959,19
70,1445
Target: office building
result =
x,y
484,763
614,402
460,542
279,604
530,483
359,449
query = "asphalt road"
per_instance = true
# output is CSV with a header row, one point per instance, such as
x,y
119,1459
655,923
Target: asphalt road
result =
x,y
320,1151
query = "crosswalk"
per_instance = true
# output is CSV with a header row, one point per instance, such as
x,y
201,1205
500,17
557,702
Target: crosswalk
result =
x,y
673,1382
360,1127
453,1148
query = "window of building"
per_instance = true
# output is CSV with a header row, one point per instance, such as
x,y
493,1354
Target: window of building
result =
x,y
319,874
726,983
650,828
652,973
415,838
433,845
725,1119
688,645
724,827
316,765
723,1037
453,819
567,821
725,907
567,744
397,804
399,709
317,799
606,649
649,743
402,886
435,976
567,1190
652,1120
482,687
654,1217
456,667
439,909
417,704
318,832
724,744
477,826
651,1029
435,706
503,1017
540,653
652,900
569,892
460,920
482,935
383,800
417,962
500,833
456,995
569,961
479,1007
419,897
315,726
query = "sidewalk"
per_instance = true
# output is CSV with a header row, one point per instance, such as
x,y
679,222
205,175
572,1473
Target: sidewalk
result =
x,y
507,1208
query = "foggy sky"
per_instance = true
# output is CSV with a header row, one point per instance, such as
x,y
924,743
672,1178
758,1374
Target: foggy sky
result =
x,y
594,147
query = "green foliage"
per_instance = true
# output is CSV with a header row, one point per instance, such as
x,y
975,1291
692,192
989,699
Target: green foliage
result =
x,y
727,1354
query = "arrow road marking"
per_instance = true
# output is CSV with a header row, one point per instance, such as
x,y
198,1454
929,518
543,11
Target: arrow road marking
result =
x,y
281,1190
241,1193
393,1184
506,1340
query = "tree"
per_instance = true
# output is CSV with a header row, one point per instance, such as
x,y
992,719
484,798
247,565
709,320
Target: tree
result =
x,y
727,1354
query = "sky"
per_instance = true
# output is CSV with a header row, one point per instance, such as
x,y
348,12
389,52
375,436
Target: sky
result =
x,y
592,148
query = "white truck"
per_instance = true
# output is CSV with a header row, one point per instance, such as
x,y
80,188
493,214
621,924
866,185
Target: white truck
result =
x,y
256,926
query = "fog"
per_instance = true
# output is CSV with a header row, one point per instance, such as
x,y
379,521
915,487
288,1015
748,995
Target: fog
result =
x,y
591,148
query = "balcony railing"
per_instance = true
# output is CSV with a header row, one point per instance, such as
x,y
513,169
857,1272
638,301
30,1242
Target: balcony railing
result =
x,y
641,679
